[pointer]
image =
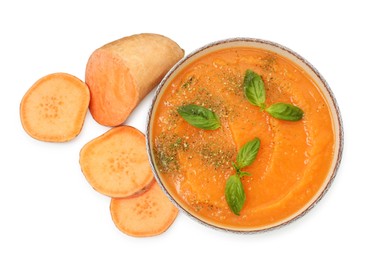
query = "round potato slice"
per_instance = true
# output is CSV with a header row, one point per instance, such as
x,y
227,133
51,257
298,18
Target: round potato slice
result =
x,y
55,107
116,163
146,214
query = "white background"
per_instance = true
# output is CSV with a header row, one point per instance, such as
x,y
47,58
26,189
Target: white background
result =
x,y
49,211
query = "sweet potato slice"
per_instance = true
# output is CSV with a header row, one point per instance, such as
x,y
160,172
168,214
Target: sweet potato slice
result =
x,y
55,107
121,73
146,214
116,163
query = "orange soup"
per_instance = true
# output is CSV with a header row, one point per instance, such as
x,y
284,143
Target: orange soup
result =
x,y
294,158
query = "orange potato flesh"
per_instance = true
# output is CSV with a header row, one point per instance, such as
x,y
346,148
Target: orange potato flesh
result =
x,y
121,73
146,214
116,163
55,107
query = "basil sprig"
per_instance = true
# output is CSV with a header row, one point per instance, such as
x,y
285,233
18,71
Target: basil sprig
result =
x,y
256,95
234,191
199,117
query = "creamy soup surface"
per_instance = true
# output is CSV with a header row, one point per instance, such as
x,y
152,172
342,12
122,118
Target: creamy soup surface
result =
x,y
294,158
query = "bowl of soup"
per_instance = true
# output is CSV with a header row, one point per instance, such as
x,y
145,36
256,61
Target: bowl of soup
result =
x,y
243,168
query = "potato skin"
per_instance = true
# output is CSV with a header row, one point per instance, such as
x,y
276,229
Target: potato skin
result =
x,y
121,73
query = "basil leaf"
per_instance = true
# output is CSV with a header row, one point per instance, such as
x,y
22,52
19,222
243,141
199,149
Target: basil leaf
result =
x,y
285,111
254,89
199,116
246,155
235,194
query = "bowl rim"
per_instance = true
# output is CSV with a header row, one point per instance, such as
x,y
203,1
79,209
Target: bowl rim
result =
x,y
335,113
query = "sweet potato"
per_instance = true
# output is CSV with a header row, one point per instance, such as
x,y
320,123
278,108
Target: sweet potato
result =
x,y
146,214
55,107
116,163
121,73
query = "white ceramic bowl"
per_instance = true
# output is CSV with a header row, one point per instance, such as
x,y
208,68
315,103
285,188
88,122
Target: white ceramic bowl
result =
x,y
294,57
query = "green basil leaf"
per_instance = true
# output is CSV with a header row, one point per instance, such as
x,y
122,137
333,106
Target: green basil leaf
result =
x,y
285,111
235,194
254,89
247,154
199,116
